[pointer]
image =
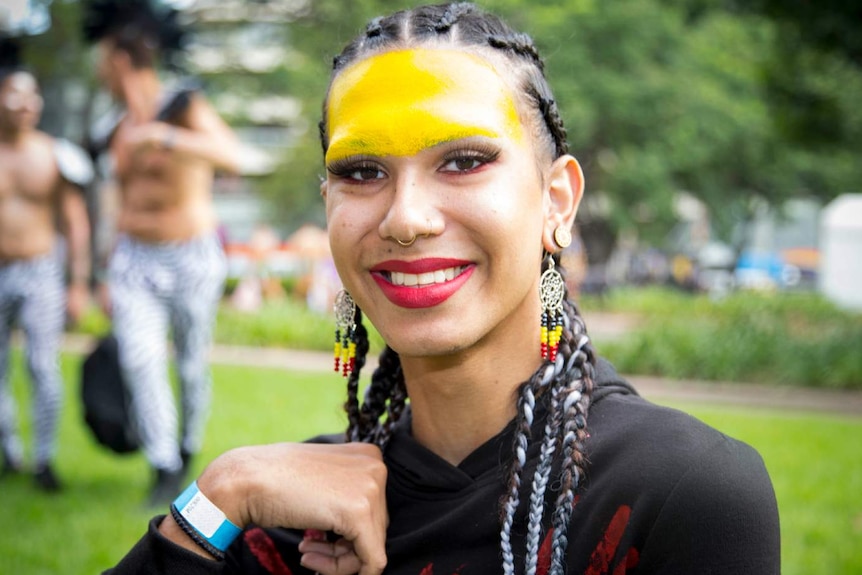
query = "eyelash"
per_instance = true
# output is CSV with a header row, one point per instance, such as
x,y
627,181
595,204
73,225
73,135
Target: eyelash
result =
x,y
481,154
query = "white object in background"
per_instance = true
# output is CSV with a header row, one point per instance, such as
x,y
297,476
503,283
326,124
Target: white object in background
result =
x,y
841,251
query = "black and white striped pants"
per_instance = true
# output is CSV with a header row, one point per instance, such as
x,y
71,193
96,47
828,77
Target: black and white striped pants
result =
x,y
32,292
154,288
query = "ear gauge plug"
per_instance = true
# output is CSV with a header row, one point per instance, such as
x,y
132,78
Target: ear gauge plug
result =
x,y
563,236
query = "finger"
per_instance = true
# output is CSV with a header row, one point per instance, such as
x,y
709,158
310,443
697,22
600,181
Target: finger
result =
x,y
373,556
337,549
348,564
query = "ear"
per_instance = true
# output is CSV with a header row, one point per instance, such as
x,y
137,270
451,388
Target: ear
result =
x,y
324,189
565,189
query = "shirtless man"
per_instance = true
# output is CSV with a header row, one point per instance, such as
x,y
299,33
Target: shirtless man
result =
x,y
38,190
167,268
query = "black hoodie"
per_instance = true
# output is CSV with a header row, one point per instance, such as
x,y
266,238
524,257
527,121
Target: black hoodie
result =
x,y
663,493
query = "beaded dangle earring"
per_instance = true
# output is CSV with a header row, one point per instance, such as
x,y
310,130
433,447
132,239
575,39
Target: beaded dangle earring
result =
x,y
344,353
552,289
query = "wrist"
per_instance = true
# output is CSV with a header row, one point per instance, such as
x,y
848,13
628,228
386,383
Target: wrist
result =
x,y
203,521
224,481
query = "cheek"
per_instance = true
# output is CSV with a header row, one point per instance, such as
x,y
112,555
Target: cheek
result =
x,y
348,220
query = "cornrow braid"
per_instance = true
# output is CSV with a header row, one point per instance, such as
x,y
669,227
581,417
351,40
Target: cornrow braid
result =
x,y
453,13
373,29
520,44
551,116
566,384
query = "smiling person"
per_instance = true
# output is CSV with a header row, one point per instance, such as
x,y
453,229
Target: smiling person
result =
x,y
492,437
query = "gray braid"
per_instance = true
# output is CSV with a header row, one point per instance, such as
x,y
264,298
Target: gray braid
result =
x,y
543,472
526,405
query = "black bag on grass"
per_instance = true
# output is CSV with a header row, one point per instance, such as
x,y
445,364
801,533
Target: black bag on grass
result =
x,y
107,404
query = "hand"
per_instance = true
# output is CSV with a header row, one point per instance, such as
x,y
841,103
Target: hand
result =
x,y
339,488
151,136
77,298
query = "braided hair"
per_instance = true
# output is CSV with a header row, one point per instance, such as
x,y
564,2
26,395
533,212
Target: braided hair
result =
x,y
566,383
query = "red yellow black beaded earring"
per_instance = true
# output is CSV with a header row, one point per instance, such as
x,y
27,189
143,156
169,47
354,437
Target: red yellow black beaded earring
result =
x,y
344,352
552,289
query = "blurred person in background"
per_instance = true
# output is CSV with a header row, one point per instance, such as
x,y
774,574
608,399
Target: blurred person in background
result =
x,y
166,270
43,216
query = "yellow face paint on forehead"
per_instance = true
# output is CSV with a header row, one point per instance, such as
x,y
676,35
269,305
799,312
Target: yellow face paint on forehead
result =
x,y
402,102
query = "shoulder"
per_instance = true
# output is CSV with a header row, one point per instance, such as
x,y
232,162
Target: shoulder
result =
x,y
695,496
73,162
668,444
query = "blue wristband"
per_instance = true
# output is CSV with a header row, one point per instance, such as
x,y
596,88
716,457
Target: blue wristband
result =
x,y
207,519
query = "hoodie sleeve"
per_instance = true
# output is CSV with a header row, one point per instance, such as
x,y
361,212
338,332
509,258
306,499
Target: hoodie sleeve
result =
x,y
156,555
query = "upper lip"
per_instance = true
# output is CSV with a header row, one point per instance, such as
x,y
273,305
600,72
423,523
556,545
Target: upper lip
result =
x,y
420,266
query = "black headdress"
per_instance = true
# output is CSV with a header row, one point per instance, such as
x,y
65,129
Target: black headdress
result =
x,y
150,19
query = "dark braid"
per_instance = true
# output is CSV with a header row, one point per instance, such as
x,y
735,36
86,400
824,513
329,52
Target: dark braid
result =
x,y
520,44
567,383
351,406
383,396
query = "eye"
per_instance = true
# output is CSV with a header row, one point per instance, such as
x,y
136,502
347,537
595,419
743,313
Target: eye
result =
x,y
468,161
464,164
365,173
356,171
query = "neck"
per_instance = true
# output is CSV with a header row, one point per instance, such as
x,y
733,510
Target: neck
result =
x,y
141,91
460,402
13,136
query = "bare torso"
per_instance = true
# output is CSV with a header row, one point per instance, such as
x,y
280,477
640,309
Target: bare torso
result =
x,y
164,197
29,184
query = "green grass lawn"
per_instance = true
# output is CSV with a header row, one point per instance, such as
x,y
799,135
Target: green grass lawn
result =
x,y
814,461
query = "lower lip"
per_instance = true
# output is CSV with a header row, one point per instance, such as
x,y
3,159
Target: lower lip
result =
x,y
416,297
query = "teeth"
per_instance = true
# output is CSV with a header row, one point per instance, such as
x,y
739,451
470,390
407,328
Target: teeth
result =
x,y
424,279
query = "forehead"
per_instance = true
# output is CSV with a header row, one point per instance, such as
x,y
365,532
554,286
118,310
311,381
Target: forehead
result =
x,y
21,81
400,102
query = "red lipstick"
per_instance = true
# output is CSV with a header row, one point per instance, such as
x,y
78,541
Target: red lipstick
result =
x,y
422,295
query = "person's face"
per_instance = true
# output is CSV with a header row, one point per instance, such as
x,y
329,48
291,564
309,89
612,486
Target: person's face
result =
x,y
20,101
107,59
428,143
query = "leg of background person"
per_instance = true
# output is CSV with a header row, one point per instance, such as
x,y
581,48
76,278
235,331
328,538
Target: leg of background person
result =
x,y
42,319
140,323
201,284
10,442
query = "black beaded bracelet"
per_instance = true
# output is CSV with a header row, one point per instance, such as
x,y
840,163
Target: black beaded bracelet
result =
x,y
194,535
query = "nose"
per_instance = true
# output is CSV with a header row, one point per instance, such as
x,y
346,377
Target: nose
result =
x,y
412,212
